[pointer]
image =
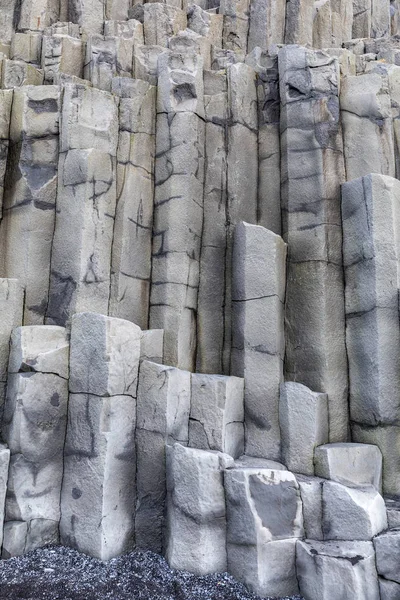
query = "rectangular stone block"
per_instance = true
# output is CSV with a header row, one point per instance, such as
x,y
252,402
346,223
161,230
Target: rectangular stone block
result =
x,y
236,25
98,492
350,464
261,537
162,417
16,73
160,22
330,569
107,57
387,548
312,169
371,251
89,14
145,61
30,195
196,513
217,414
61,54
304,425
152,345
389,590
311,497
333,23
132,241
104,358
267,24
299,22
258,293
26,47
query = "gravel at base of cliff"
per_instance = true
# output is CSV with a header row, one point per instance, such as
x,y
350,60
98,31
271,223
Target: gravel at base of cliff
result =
x,y
56,573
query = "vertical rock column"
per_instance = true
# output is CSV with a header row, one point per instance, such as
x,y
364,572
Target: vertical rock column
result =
x,y
11,308
35,418
131,251
98,492
81,252
30,195
312,171
162,418
371,251
211,301
178,209
258,346
6,97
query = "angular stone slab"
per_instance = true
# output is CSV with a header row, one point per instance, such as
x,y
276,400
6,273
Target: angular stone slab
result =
x,y
258,292
98,492
350,464
352,513
152,345
387,548
337,570
40,349
105,354
267,24
311,497
393,511
389,590
264,518
303,421
14,540
217,414
162,417
196,513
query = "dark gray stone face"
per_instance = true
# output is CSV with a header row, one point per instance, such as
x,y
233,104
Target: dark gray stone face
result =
x,y
276,505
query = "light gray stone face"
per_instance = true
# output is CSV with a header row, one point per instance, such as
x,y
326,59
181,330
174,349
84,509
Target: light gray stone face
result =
x,y
105,354
264,518
163,409
350,464
267,24
161,22
30,194
81,251
258,292
152,345
371,222
98,491
35,416
107,57
352,513
387,548
299,22
303,420
131,250
4,463
196,513
311,225
311,498
217,414
236,25
14,539
389,590
393,512
330,569
61,54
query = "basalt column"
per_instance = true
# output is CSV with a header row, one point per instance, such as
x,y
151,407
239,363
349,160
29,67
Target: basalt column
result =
x,y
30,195
312,171
81,252
178,208
131,252
371,235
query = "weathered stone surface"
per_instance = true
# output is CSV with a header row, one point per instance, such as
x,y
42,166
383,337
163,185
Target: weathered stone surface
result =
x,y
217,414
131,250
333,23
264,518
14,539
303,421
105,354
145,61
178,205
236,25
311,172
352,513
30,194
387,548
258,292
163,408
6,97
337,570
107,57
366,114
161,22
206,23
392,511
350,464
152,345
61,54
81,252
40,350
371,222
311,498
98,492
267,24
299,22
196,514
389,590
258,463
4,463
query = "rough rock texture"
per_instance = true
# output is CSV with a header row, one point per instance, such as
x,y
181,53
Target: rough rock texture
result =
x,y
199,288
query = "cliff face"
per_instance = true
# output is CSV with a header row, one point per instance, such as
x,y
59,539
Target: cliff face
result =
x,y
199,262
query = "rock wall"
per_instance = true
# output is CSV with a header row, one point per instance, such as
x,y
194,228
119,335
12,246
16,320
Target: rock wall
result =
x,y
199,287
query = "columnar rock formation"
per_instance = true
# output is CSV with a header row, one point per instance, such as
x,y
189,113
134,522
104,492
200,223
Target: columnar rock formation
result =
x,y
199,287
